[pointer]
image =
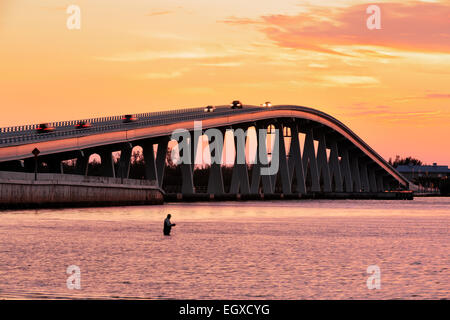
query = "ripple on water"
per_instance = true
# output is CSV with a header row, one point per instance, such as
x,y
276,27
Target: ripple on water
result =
x,y
239,250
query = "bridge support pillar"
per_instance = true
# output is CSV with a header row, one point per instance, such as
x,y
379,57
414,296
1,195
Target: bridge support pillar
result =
x,y
261,161
82,163
356,178
161,154
187,177
372,179
283,164
365,185
386,183
215,145
380,185
335,168
125,161
149,159
310,162
187,168
239,178
322,163
346,170
295,162
107,166
155,167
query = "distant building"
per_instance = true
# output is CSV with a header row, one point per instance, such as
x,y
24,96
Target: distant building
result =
x,y
434,171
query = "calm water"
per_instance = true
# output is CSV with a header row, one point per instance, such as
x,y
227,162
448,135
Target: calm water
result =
x,y
233,250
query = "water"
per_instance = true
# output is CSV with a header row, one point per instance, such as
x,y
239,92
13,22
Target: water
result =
x,y
230,250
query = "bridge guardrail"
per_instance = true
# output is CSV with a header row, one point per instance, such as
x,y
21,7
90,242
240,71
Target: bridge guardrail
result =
x,y
15,135
20,130
26,133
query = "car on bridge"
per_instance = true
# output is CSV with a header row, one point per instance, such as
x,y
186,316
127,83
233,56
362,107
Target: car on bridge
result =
x,y
236,104
44,128
128,118
83,125
209,109
266,104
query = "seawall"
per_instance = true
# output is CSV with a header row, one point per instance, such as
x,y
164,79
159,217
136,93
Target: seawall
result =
x,y
21,190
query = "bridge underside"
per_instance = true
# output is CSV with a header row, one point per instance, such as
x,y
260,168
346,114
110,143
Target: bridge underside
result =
x,y
313,158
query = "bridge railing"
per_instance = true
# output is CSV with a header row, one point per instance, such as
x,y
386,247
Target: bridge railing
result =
x,y
21,134
7,134
24,128
26,133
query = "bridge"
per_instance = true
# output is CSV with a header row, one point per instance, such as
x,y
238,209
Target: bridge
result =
x,y
331,159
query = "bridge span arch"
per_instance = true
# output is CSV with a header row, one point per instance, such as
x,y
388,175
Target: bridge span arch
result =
x,y
332,158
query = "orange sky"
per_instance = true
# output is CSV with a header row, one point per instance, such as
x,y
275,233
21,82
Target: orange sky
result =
x,y
390,86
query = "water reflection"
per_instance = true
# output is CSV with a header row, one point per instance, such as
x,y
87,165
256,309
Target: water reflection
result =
x,y
232,250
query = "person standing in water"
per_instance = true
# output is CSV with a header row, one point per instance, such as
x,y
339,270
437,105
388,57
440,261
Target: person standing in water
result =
x,y
168,225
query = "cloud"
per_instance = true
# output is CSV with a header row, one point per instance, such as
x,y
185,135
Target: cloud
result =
x,y
318,65
242,21
438,96
157,55
413,26
158,13
54,8
161,76
349,80
165,75
388,113
427,96
221,64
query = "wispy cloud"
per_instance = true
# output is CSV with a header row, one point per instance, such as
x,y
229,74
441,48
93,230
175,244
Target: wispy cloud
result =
x,y
158,13
318,65
438,96
389,113
427,96
169,75
54,8
221,64
165,75
349,80
156,55
236,20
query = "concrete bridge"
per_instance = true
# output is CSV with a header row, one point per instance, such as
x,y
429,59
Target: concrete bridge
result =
x,y
332,161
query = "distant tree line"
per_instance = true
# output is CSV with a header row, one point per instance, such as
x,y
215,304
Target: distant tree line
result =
x,y
442,183
404,161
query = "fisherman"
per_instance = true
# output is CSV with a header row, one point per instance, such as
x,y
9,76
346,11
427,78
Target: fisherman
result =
x,y
168,225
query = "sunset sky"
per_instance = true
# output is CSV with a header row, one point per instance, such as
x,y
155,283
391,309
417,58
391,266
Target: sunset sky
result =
x,y
390,86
